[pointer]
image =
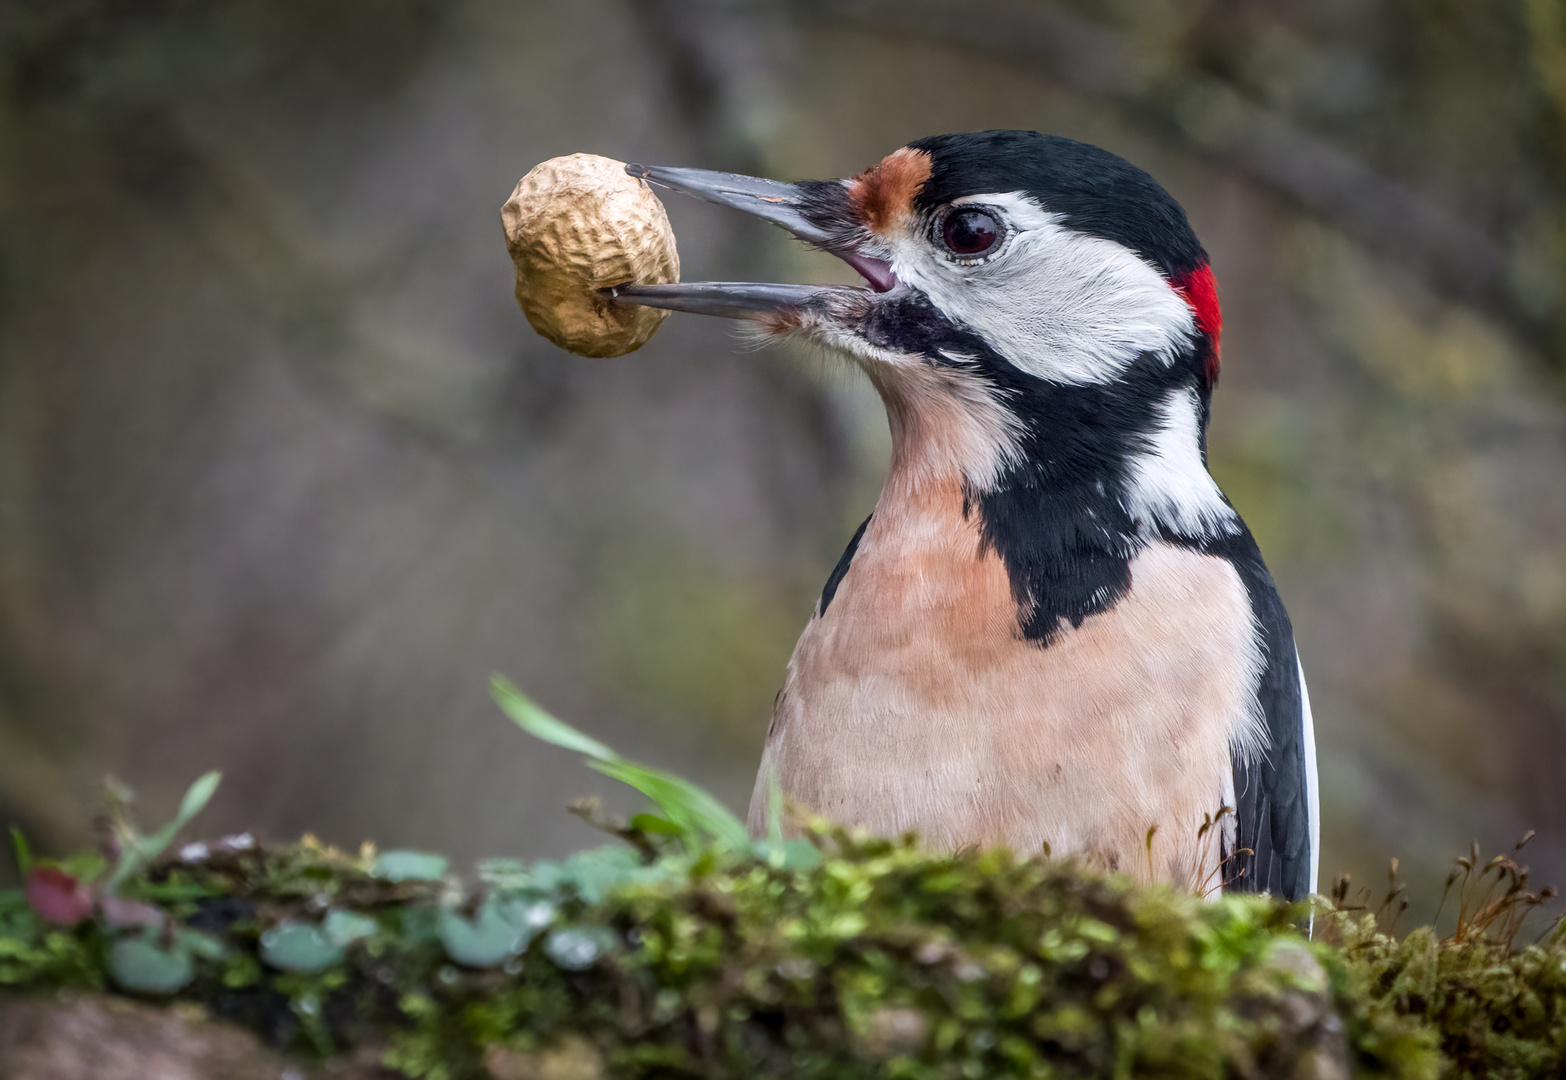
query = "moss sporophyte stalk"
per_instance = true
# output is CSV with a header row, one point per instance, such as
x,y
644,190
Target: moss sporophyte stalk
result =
x,y
693,951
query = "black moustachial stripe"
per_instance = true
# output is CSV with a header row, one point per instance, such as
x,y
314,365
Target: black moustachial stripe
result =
x,y
829,590
1057,517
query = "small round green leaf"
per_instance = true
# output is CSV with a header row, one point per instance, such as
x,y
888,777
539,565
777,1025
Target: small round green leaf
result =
x,y
299,947
596,872
143,967
578,948
528,914
199,944
409,866
343,928
487,940
797,854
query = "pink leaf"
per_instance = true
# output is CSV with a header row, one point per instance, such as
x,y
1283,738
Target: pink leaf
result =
x,y
57,896
128,914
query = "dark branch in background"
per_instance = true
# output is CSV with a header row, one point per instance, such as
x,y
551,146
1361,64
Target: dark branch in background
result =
x,y
1456,258
715,60
702,50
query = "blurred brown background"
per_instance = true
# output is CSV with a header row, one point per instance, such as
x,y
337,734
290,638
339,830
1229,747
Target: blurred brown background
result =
x,y
284,474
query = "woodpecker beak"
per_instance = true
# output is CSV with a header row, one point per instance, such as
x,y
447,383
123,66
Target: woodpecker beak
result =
x,y
771,200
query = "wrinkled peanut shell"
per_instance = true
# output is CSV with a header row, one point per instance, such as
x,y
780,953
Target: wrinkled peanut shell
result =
x,y
578,224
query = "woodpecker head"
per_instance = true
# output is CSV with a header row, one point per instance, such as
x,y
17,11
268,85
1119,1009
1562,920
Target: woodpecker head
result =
x,y
1038,316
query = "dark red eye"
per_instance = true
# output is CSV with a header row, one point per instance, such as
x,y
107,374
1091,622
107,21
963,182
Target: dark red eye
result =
x,y
970,232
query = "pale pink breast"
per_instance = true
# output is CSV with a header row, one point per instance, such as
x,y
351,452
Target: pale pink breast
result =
x,y
914,704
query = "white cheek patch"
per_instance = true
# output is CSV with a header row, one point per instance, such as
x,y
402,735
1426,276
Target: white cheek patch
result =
x,y
1058,304
1167,484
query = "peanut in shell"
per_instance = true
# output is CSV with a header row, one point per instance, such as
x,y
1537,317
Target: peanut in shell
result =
x,y
579,224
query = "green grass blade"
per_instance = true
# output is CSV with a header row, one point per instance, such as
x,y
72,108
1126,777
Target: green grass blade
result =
x,y
774,804
699,816
195,801
539,724
196,798
682,802
141,850
24,854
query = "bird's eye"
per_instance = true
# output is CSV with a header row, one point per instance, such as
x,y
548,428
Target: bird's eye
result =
x,y
970,232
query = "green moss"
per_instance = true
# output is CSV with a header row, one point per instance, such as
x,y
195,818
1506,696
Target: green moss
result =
x,y
1493,1011
35,953
879,960
691,953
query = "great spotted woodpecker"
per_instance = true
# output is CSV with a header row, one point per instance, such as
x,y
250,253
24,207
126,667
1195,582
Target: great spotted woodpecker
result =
x,y
1053,630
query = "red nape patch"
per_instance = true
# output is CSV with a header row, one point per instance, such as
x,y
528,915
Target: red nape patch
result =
x,y
1199,289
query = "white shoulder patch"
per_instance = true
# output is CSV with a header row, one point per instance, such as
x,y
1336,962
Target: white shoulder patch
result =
x,y
1168,484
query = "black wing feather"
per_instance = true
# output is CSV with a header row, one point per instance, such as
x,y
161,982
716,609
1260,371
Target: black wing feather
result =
x,y
1272,848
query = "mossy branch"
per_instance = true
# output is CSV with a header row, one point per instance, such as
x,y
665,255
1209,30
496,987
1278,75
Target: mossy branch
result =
x,y
701,953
